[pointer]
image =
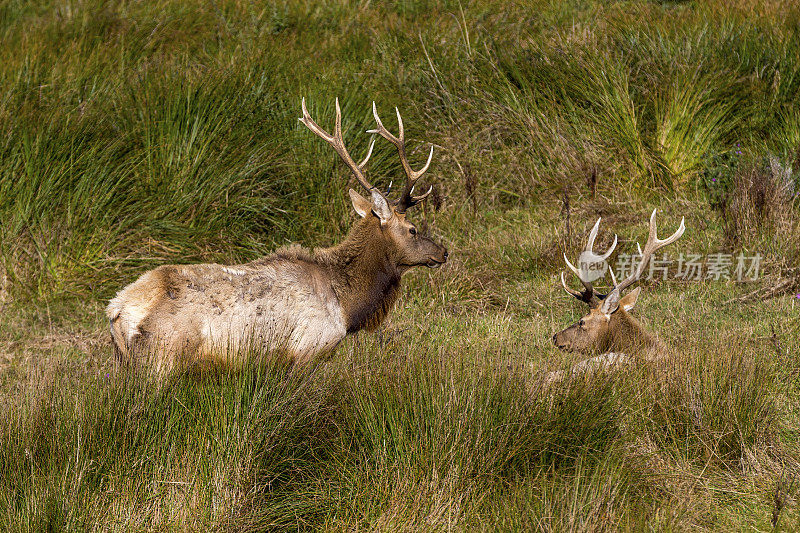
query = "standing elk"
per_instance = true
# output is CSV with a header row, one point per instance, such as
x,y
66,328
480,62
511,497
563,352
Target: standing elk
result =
x,y
608,328
302,302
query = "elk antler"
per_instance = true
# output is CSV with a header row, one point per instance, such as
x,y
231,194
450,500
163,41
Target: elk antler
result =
x,y
406,199
589,294
337,142
611,302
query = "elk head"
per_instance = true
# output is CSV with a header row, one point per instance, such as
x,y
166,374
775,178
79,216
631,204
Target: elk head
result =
x,y
608,326
407,246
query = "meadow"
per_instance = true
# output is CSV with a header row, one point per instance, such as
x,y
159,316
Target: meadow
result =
x,y
134,134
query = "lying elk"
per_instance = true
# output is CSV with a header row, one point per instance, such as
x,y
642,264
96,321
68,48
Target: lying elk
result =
x,y
608,328
303,302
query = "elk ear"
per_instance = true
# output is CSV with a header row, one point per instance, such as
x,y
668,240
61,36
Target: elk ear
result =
x,y
381,207
628,301
611,303
360,204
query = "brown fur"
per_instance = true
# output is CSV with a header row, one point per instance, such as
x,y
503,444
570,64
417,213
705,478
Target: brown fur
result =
x,y
618,337
627,335
179,310
362,271
608,329
618,332
365,275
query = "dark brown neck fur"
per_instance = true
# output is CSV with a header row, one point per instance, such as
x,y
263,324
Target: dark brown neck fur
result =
x,y
364,275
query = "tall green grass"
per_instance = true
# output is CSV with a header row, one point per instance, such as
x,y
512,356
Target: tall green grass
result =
x,y
394,442
133,134
173,124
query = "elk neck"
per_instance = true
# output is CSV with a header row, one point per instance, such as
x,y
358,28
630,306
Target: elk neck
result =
x,y
627,335
364,275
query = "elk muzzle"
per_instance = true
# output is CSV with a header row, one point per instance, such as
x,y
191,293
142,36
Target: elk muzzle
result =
x,y
561,340
439,260
588,335
437,254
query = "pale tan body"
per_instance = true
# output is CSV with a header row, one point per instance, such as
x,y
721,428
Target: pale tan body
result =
x,y
213,312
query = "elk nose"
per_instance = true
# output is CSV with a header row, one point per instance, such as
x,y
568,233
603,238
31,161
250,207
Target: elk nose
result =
x,y
554,339
446,254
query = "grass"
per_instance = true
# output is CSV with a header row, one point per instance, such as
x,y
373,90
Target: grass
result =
x,y
136,134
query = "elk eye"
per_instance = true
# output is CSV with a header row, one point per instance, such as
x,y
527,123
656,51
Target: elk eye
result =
x,y
582,323
412,231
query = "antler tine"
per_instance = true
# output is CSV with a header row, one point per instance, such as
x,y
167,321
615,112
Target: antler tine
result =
x,y
651,247
381,130
653,244
337,124
337,141
369,153
313,126
401,133
609,251
593,236
589,295
573,292
407,199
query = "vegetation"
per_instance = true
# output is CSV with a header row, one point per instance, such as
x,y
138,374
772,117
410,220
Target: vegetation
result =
x,y
138,133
